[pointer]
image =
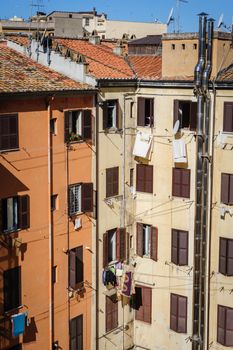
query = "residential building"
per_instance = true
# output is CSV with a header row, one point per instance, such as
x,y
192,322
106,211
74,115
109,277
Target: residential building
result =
x,y
47,215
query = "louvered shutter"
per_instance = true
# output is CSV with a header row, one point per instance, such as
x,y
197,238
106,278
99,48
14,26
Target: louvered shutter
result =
x,y
140,239
185,183
148,179
79,325
12,288
118,244
79,264
115,179
86,125
109,181
114,313
176,182
117,115
105,249
112,182
174,253
140,175
183,248
122,244
228,117
151,112
229,327
221,324
173,312
139,314
193,116
13,129
9,136
147,304
229,257
230,189
24,212
141,111
72,269
66,126
223,256
73,334
111,314
105,115
87,197
154,243
182,315
225,188
175,111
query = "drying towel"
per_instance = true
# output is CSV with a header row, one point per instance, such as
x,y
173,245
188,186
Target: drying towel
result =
x,y
179,151
18,324
142,145
126,290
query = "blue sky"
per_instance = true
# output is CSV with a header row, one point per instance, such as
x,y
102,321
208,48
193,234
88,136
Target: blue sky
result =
x,y
133,10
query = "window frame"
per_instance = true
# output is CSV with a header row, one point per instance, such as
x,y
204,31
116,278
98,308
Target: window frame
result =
x,y
111,308
176,328
121,246
141,313
153,241
226,257
9,118
115,125
8,290
192,114
141,111
85,126
84,203
227,195
112,182
226,105
177,259
182,171
223,327
144,178
76,268
77,321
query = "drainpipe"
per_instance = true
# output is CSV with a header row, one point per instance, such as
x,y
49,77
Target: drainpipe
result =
x,y
196,337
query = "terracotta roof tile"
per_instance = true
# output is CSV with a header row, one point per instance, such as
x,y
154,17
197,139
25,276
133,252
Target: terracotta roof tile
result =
x,y
147,67
103,63
19,39
19,73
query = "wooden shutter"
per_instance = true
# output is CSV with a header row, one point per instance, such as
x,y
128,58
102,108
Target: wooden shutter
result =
x,y
112,182
115,179
76,333
117,115
185,183
175,111
147,303
118,244
140,177
86,125
139,239
183,248
174,247
121,244
151,112
221,324
111,313
230,189
225,181
173,312
105,249
141,111
79,264
229,327
176,182
66,126
139,314
105,115
87,197
230,257
223,256
72,268
9,136
80,332
228,117
12,288
193,116
154,244
148,180
24,212
182,314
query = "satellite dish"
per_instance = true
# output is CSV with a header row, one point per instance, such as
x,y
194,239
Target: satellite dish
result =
x,y
176,127
170,17
220,21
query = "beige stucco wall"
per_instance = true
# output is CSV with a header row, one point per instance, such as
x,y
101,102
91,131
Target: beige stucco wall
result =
x,y
116,29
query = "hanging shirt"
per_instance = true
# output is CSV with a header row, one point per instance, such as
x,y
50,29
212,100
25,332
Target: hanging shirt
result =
x,y
18,324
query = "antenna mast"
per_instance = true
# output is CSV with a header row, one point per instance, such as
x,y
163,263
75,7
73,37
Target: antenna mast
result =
x,y
178,13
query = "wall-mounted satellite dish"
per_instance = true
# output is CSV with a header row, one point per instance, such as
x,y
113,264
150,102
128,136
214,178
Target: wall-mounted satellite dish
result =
x,y
220,21
176,127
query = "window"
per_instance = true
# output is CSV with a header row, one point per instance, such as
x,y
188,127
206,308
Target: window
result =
x,y
225,325
228,117
78,125
76,267
147,241
54,202
131,172
183,46
53,126
144,178
181,182
54,274
144,311
87,21
111,312
12,288
115,246
173,46
131,109
226,256
186,113
70,15
145,111
14,213
178,313
76,333
9,138
179,254
227,188
112,182
111,114
194,46
80,198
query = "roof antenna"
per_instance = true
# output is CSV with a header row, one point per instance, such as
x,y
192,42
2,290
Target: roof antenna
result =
x,y
171,19
178,13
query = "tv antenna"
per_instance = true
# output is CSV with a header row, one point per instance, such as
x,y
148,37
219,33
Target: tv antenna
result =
x,y
171,18
178,13
37,4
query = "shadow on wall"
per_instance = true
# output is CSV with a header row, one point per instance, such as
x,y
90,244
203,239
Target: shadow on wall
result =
x,y
10,185
30,332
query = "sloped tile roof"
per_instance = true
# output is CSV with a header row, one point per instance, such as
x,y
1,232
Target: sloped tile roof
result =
x,y
19,39
226,75
103,63
147,67
19,73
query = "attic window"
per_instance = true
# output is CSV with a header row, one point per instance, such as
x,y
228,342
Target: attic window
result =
x,y
194,46
183,46
87,21
70,15
173,46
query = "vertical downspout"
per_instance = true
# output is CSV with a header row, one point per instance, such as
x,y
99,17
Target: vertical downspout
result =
x,y
196,339
68,233
97,225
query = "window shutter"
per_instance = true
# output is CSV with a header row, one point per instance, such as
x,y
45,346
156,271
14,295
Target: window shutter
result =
x,y
115,181
148,180
117,115
139,304
121,244
72,269
86,125
79,264
173,312
154,243
176,181
105,249
223,256
87,197
221,324
13,129
9,136
230,189
228,117
66,126
229,327
140,178
111,314
112,182
151,112
175,111
182,315
147,303
174,257
79,325
105,115
118,244
24,212
225,188
141,111
140,239
193,116
183,248
229,257
12,288
185,183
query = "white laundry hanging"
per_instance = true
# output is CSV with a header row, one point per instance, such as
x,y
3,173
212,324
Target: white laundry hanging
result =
x,y
179,151
142,146
77,224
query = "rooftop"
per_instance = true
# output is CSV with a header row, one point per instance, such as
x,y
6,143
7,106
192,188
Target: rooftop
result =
x,y
148,40
147,67
226,75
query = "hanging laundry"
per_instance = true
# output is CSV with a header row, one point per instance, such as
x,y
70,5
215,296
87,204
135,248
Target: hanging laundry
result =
x,y
109,278
126,289
18,323
142,146
179,151
136,300
77,223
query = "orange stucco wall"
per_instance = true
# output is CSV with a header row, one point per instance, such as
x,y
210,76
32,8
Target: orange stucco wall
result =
x,y
28,169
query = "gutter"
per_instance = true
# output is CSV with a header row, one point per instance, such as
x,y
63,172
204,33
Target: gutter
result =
x,y
31,94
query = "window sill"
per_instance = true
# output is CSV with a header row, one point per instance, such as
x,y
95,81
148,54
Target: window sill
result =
x,y
113,130
10,231
228,133
9,150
